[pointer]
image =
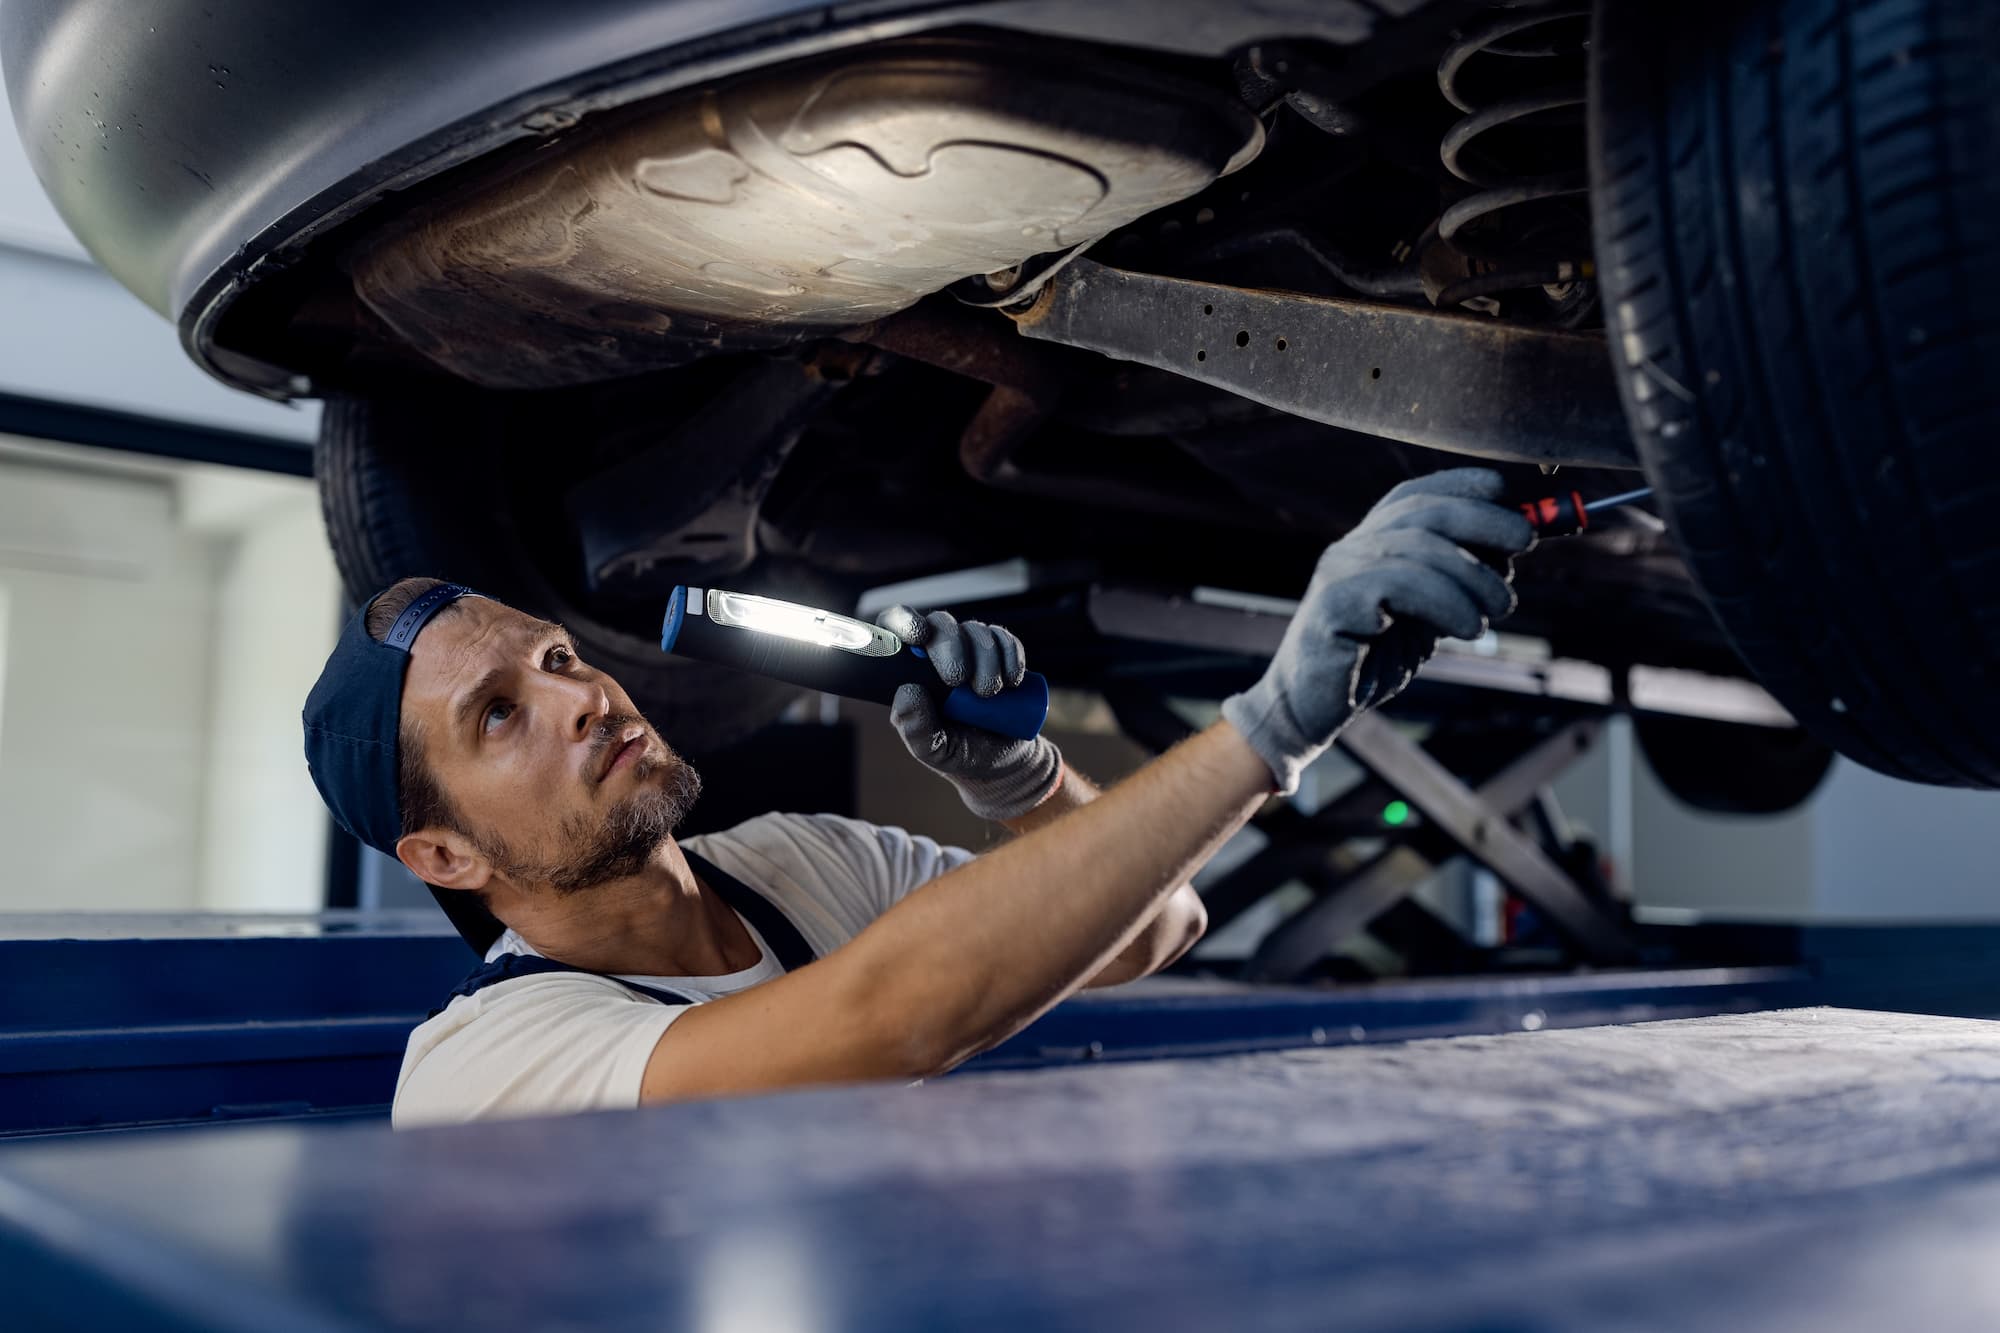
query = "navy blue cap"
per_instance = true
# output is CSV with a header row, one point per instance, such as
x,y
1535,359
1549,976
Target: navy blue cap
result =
x,y
352,719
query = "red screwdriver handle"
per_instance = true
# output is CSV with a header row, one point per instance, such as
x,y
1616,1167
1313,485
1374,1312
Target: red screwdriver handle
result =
x,y
1557,515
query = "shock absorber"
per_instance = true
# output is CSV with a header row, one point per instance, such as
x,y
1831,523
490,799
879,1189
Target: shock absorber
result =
x,y
1518,75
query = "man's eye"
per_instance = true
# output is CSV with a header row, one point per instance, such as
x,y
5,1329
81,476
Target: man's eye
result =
x,y
559,657
497,712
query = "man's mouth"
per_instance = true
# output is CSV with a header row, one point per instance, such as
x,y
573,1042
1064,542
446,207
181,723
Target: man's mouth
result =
x,y
624,754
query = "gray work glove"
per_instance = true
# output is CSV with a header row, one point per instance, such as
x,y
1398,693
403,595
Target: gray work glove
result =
x,y
1381,597
998,777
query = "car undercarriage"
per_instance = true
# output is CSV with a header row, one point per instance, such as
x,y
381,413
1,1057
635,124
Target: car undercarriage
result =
x,y
816,300
780,390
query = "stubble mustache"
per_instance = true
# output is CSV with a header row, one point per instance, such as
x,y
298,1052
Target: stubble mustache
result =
x,y
632,830
606,735
619,842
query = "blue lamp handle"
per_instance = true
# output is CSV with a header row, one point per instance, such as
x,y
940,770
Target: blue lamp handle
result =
x,y
1018,711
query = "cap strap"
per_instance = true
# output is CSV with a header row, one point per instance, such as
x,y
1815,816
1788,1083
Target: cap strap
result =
x,y
418,613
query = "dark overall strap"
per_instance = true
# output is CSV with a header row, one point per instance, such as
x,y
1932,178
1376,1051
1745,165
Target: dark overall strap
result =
x,y
508,966
777,929
786,943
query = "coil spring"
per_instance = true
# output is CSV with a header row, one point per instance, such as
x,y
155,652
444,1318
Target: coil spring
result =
x,y
1553,103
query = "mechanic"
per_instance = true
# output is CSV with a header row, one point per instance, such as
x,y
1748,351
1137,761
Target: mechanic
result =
x,y
625,966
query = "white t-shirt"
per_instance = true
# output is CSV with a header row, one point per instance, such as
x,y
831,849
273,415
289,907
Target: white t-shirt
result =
x,y
558,1042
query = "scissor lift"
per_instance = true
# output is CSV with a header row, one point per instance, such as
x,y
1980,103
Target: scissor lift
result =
x,y
1504,820
1487,734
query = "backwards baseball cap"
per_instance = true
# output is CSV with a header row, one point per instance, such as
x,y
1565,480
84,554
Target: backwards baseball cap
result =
x,y
353,718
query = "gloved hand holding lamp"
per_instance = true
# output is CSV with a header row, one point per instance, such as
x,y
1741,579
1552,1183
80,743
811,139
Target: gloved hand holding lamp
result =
x,y
999,778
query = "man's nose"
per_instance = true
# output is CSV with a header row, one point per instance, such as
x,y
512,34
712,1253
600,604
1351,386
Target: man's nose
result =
x,y
583,705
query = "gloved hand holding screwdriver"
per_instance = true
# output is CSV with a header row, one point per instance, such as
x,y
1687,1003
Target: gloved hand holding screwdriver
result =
x,y
1381,598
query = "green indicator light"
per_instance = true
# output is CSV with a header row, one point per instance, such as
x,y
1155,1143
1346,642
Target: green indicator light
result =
x,y
1396,813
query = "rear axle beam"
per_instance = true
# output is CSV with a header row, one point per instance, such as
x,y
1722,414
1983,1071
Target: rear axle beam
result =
x,y
1459,383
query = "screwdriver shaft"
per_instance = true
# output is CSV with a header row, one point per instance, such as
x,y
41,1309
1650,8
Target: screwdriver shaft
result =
x,y
1613,501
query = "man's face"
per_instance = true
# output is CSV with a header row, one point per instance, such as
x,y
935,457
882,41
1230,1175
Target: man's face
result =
x,y
555,776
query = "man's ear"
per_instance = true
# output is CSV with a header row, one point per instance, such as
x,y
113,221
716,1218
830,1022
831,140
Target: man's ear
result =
x,y
444,858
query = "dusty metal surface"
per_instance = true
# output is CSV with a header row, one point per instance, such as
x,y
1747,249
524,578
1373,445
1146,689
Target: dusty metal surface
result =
x,y
802,199
1817,1169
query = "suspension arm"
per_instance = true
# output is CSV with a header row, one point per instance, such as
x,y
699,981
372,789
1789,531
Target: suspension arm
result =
x,y
1455,382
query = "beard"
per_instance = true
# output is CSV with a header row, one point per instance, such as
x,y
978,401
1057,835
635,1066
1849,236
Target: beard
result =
x,y
618,844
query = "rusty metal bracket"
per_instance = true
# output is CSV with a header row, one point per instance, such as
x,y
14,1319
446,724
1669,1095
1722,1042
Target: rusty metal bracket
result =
x,y
1454,382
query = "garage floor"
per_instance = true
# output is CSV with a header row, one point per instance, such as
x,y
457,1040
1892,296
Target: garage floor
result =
x,y
1821,1168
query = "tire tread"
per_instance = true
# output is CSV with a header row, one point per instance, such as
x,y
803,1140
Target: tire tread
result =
x,y
1780,191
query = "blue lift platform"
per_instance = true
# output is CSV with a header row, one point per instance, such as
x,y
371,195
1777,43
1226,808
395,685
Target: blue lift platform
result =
x,y
198,1142
1825,1169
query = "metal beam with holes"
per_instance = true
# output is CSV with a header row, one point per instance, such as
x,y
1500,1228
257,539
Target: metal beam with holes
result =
x,y
1444,381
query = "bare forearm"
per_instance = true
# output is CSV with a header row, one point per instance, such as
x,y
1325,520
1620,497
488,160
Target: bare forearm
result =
x,y
1165,933
982,951
1072,792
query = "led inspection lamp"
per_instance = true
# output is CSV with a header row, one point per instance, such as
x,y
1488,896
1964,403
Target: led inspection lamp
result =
x,y
837,654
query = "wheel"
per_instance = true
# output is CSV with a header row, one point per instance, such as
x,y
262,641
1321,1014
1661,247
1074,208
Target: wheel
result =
x,y
1796,206
1730,769
417,486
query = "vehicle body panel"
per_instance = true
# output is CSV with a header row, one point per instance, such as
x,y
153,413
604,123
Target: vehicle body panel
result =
x,y
790,203
194,141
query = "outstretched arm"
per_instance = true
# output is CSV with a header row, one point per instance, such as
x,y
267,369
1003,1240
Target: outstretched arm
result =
x,y
975,955
978,953
1168,932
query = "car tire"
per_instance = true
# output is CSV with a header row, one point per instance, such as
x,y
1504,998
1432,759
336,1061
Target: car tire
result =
x,y
414,486
1725,768
1796,204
